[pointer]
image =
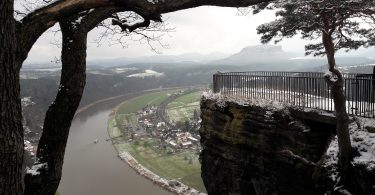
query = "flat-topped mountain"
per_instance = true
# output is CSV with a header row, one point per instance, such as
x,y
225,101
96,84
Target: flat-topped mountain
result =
x,y
255,55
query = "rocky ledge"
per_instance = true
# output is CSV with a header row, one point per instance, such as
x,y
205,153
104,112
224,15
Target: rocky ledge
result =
x,y
267,148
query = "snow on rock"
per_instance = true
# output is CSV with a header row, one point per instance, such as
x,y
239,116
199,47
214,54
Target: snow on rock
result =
x,y
362,141
331,159
26,101
221,101
153,1
35,169
368,124
26,129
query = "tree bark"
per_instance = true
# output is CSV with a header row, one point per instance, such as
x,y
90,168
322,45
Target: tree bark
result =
x,y
14,50
51,148
11,131
342,118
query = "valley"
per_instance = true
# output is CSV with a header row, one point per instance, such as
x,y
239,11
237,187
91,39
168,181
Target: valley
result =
x,y
170,152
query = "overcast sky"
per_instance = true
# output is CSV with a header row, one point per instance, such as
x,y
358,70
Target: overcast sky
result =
x,y
199,30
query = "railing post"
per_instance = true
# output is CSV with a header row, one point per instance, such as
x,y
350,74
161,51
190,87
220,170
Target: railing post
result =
x,y
214,83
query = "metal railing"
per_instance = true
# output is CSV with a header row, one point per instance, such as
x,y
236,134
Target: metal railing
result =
x,y
304,89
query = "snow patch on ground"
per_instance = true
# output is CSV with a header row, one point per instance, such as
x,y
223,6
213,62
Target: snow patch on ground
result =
x,y
121,70
97,72
362,141
155,1
331,159
147,73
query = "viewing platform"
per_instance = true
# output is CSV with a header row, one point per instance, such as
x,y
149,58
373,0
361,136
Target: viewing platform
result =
x,y
303,89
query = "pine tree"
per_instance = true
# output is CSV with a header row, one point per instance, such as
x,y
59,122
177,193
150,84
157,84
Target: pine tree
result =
x,y
340,25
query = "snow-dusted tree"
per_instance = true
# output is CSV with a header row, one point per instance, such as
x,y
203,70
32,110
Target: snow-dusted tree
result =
x,y
341,24
74,29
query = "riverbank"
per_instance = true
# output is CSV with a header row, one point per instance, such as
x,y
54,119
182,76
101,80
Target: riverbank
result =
x,y
170,185
91,168
130,151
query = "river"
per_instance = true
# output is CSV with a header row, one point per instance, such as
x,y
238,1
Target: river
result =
x,y
95,169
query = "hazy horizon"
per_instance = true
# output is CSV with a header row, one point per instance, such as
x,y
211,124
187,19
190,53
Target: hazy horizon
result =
x,y
201,30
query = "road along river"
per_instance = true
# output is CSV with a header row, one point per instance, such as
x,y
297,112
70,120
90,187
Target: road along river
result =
x,y
95,169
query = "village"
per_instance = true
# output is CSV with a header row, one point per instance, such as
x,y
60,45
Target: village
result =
x,y
173,136
159,132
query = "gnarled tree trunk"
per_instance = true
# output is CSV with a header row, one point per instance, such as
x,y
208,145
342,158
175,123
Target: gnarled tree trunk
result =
x,y
342,117
51,148
337,91
11,131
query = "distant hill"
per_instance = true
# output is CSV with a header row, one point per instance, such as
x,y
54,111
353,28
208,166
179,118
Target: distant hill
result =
x,y
250,58
183,58
346,64
256,55
267,58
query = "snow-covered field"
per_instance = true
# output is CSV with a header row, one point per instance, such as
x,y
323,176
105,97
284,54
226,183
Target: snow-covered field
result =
x,y
121,70
182,113
147,73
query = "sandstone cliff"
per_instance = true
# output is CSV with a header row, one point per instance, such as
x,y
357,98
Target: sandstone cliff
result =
x,y
262,150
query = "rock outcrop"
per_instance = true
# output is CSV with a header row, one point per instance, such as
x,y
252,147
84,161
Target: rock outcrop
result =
x,y
259,150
